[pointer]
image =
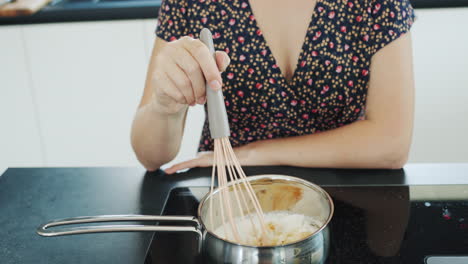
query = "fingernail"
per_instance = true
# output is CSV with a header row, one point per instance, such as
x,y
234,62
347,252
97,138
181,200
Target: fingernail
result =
x,y
215,85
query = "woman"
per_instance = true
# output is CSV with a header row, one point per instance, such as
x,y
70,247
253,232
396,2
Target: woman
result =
x,y
320,83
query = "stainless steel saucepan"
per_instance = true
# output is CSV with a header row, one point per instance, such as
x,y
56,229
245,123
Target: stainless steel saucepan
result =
x,y
275,193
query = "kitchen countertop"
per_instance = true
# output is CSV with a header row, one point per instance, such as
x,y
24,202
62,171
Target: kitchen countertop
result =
x,y
95,10
31,196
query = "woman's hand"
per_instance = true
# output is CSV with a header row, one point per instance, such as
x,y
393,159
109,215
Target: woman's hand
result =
x,y
182,66
203,159
244,154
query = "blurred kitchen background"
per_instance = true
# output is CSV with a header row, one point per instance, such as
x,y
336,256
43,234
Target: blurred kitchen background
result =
x,y
72,74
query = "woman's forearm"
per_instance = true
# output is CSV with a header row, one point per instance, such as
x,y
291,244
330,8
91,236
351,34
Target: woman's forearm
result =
x,y
362,144
156,136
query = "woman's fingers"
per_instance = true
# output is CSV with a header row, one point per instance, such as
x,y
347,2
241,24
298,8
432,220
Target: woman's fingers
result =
x,y
181,81
187,66
222,60
192,69
168,89
204,159
183,165
202,55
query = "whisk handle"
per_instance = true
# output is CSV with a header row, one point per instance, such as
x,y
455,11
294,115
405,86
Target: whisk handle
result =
x,y
217,116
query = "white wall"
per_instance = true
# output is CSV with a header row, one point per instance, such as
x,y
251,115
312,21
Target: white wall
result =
x,y
441,74
87,79
69,91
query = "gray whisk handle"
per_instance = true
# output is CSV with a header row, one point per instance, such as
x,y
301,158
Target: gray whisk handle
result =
x,y
217,116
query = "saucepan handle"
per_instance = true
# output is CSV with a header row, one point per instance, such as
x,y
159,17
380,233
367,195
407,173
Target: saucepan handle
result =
x,y
45,229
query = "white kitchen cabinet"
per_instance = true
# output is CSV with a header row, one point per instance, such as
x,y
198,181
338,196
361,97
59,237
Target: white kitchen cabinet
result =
x,y
88,78
20,141
440,43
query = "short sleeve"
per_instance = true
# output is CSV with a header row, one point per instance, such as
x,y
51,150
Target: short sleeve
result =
x,y
172,20
389,20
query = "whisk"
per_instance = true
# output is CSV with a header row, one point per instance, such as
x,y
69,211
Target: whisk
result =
x,y
240,195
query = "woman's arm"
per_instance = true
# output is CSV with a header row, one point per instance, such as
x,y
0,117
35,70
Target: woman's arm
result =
x,y
156,136
381,141
175,79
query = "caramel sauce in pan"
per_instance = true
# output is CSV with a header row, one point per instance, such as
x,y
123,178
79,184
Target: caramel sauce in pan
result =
x,y
279,197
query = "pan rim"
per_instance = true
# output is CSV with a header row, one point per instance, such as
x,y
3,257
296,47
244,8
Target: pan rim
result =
x,y
272,177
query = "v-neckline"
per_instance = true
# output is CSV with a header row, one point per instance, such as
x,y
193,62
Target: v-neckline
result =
x,y
301,52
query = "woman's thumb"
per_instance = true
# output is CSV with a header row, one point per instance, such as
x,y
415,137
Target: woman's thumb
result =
x,y
222,60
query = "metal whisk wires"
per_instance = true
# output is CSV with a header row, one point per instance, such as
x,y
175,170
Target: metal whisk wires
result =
x,y
239,196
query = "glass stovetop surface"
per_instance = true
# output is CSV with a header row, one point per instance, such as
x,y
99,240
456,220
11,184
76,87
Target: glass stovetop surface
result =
x,y
372,224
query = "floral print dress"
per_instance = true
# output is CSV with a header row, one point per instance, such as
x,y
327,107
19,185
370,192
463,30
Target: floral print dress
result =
x,y
329,86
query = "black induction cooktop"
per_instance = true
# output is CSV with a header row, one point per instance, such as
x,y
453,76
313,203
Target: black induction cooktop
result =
x,y
372,224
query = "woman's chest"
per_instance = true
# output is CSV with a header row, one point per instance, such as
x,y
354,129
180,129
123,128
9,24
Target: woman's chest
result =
x,y
284,26
331,70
